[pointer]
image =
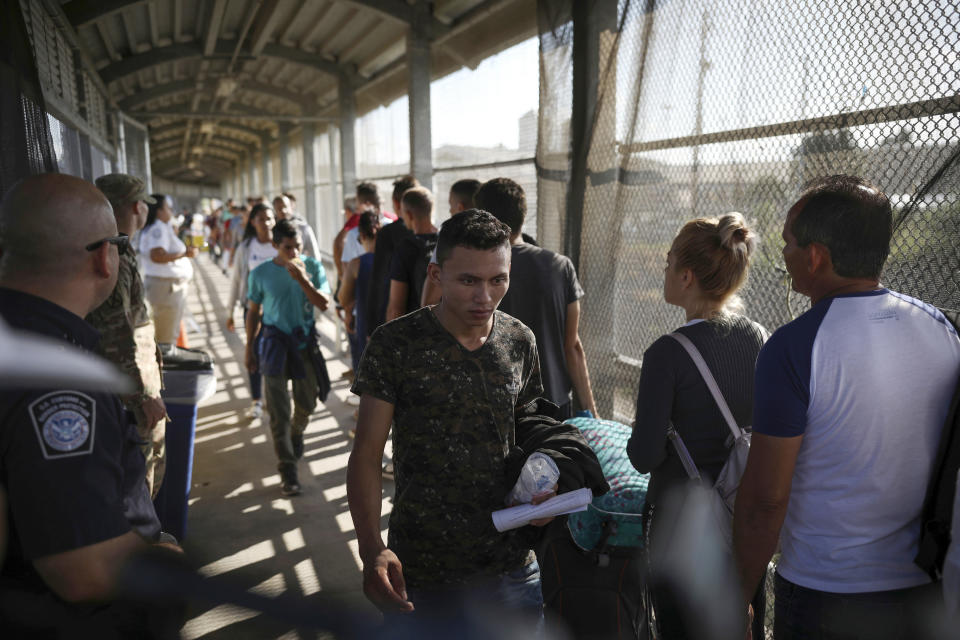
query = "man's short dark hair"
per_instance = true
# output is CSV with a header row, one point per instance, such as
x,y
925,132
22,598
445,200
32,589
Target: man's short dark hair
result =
x,y
473,229
464,191
418,201
367,193
505,199
401,184
849,216
284,229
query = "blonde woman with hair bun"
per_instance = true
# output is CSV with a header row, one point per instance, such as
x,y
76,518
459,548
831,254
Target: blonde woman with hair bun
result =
x,y
707,265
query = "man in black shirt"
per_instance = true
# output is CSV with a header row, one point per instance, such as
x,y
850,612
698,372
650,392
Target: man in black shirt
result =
x,y
545,295
388,239
408,269
70,461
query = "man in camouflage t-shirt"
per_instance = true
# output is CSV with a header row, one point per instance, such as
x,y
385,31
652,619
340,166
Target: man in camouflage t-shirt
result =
x,y
450,378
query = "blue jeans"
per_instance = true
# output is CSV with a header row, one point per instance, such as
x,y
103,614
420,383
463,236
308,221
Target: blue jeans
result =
x,y
801,613
357,345
464,611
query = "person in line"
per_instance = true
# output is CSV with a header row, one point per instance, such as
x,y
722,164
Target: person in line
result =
x,y
283,206
408,268
451,380
167,269
234,231
356,282
851,399
254,249
462,193
351,216
286,289
706,266
368,199
388,240
126,334
544,295
69,460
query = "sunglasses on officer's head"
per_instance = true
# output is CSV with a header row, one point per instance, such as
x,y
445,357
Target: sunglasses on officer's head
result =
x,y
121,240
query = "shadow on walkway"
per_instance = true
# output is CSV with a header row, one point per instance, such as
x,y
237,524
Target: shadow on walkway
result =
x,y
239,525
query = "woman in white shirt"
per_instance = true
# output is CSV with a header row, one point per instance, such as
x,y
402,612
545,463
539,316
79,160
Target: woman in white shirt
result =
x,y
166,269
254,249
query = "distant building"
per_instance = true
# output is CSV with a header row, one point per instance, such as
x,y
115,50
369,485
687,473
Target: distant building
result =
x,y
527,140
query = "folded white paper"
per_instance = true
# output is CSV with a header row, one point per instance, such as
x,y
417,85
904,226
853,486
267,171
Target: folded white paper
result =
x,y
513,517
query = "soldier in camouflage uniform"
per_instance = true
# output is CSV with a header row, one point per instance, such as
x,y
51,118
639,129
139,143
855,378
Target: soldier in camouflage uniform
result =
x,y
450,378
127,337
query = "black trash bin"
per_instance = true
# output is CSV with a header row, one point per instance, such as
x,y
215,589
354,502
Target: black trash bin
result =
x,y
188,378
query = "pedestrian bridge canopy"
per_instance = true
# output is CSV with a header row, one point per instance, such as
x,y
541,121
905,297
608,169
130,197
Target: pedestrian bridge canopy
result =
x,y
651,112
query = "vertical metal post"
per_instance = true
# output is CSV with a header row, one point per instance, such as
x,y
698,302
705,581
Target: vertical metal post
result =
x,y
244,178
147,169
285,181
310,173
589,21
418,94
335,185
348,123
266,166
121,144
253,171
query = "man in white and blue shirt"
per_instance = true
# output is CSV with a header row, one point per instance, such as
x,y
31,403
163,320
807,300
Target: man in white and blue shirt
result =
x,y
850,402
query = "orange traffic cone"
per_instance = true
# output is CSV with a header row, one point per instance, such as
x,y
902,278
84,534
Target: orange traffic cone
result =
x,y
182,338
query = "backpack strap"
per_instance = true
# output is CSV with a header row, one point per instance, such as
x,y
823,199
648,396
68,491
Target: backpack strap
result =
x,y
710,380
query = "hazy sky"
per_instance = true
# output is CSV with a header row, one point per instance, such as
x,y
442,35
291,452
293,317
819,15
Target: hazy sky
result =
x,y
469,107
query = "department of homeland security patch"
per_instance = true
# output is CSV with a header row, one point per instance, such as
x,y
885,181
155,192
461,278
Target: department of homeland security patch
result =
x,y
64,422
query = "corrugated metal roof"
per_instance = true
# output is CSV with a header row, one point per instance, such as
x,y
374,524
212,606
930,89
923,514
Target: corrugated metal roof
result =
x,y
269,58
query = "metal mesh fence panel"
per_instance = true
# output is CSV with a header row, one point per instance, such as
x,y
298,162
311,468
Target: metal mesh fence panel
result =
x,y
703,108
700,107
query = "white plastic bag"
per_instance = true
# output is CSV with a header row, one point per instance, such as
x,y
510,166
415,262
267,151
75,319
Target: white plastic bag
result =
x,y
538,475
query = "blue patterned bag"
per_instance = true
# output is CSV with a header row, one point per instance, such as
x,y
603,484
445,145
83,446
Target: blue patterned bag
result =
x,y
618,512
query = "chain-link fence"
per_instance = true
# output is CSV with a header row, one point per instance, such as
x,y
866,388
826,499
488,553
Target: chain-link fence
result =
x,y
701,107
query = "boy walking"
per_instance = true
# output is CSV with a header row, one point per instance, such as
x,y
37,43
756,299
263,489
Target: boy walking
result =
x,y
286,289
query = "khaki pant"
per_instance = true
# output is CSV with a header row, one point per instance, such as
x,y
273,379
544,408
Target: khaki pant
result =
x,y
154,450
167,297
284,428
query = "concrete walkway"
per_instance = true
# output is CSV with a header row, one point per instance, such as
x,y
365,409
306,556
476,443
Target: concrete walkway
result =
x,y
239,525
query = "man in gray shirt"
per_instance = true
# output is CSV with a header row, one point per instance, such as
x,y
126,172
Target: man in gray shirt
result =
x,y
545,295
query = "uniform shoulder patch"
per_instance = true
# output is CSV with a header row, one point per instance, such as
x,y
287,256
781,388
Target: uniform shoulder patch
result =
x,y
64,422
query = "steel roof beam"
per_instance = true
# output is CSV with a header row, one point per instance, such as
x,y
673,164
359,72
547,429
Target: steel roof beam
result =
x,y
226,126
223,48
162,149
182,86
83,12
400,11
252,114
215,21
265,26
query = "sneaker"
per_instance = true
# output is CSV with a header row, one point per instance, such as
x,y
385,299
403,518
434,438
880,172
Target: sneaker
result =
x,y
255,412
290,486
297,445
388,471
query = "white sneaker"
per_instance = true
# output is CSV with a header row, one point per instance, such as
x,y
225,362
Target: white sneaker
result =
x,y
255,412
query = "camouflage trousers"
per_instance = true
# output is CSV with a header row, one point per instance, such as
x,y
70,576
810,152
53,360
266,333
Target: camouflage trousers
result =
x,y
153,438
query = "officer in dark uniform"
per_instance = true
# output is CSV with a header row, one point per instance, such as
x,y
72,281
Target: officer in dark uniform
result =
x,y
78,505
